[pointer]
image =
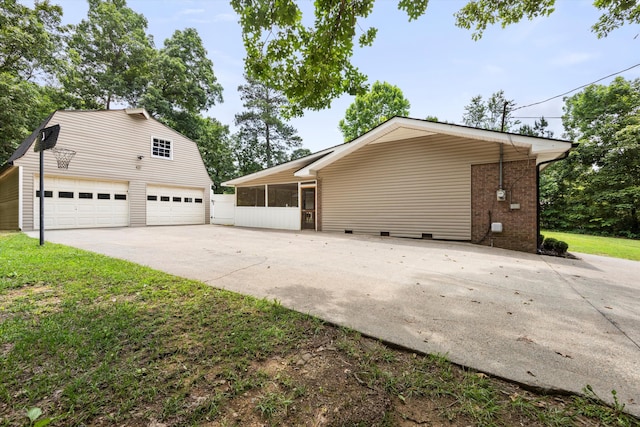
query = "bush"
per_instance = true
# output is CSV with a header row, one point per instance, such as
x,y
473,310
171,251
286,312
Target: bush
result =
x,y
561,247
549,244
555,246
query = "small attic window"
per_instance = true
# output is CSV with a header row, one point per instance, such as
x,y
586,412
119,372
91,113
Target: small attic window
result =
x,y
161,148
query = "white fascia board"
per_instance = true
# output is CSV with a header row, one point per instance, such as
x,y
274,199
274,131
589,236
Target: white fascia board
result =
x,y
275,169
534,145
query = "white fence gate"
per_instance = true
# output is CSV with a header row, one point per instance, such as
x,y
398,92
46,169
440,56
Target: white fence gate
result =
x,y
223,209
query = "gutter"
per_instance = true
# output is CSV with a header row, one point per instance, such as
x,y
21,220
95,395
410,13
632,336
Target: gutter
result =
x,y
564,156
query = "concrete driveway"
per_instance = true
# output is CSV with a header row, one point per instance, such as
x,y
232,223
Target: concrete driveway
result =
x,y
546,322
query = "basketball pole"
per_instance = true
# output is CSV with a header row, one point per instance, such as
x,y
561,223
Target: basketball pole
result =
x,y
41,197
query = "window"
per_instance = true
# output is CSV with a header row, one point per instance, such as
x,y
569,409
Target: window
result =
x,y
251,196
120,197
161,148
152,198
104,196
164,198
46,193
177,199
65,194
188,200
85,196
283,195
197,200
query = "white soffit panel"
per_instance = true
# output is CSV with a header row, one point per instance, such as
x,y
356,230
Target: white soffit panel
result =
x,y
402,133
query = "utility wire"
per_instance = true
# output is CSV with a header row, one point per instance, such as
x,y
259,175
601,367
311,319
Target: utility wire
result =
x,y
579,87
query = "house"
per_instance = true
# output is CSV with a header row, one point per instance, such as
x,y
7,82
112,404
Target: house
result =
x,y
409,178
129,170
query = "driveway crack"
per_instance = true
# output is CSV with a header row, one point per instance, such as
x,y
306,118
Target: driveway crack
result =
x,y
602,313
236,270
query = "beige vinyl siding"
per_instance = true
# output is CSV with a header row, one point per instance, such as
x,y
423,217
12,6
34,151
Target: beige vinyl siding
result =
x,y
9,200
108,144
407,188
137,203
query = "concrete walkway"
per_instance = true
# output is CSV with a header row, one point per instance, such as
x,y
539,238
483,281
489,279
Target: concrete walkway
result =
x,y
546,322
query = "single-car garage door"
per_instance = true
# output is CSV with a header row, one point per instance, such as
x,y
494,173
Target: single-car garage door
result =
x,y
174,205
82,203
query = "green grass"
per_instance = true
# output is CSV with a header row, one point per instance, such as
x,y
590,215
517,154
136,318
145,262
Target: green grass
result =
x,y
91,340
80,332
597,245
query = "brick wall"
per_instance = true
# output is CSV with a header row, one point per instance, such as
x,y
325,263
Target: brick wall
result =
x,y
519,225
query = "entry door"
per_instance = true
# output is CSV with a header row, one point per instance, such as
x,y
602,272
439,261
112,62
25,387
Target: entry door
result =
x,y
308,208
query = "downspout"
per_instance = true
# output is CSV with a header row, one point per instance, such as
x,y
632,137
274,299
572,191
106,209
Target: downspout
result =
x,y
564,156
504,115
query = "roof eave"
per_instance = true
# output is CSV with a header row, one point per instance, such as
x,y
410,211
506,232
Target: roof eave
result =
x,y
279,168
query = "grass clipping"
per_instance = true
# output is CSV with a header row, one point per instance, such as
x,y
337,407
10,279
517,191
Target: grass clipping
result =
x,y
90,340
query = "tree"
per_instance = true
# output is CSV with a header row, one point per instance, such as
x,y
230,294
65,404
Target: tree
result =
x,y
28,38
489,114
481,13
109,55
300,153
312,65
182,78
263,138
214,144
381,103
539,128
605,120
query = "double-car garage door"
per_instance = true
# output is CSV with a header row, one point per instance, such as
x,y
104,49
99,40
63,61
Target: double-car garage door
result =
x,y
81,203
174,205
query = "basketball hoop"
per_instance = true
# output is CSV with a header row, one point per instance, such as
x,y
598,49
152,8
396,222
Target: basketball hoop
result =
x,y
63,157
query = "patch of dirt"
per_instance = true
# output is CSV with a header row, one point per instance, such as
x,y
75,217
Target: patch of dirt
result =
x,y
331,378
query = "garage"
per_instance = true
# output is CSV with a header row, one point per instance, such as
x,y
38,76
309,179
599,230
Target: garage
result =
x,y
175,205
82,203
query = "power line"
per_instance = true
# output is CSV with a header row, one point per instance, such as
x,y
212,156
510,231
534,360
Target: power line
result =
x,y
579,87
536,117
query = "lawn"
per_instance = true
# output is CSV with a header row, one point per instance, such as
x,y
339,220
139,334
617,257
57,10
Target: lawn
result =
x,y
597,245
90,340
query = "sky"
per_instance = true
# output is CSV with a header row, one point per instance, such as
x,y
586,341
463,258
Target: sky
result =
x,y
437,65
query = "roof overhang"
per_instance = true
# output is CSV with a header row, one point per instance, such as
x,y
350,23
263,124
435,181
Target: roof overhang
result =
x,y
403,128
141,112
399,128
298,163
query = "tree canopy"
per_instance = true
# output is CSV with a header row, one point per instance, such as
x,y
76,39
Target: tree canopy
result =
x,y
264,138
489,114
597,189
311,65
379,104
28,39
109,55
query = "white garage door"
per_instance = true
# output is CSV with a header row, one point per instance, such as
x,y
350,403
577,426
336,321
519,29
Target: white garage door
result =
x,y
81,203
174,205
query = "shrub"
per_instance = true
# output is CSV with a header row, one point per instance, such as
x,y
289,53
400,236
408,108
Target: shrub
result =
x,y
554,245
561,247
549,244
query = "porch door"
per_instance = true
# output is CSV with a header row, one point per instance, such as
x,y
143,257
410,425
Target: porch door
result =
x,y
308,208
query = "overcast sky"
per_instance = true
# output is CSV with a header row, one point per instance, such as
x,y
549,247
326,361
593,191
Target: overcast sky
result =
x,y
437,65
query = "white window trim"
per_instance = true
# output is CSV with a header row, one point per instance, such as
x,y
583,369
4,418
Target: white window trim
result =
x,y
170,141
